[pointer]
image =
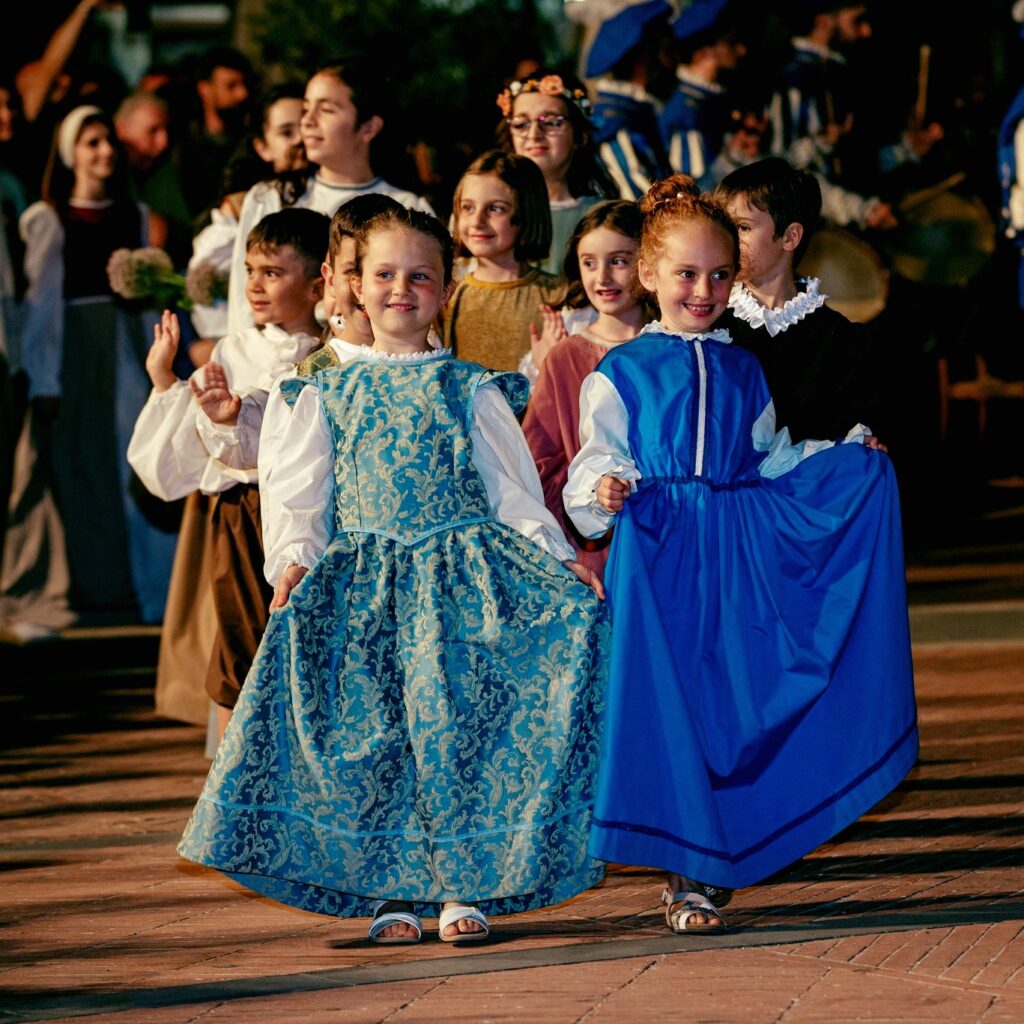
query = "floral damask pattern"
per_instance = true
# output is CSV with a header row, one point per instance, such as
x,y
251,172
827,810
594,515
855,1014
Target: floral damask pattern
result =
x,y
422,720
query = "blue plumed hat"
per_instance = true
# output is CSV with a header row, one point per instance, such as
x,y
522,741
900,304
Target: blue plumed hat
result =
x,y
619,34
698,18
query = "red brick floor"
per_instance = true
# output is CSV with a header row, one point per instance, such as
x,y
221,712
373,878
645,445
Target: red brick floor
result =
x,y
916,913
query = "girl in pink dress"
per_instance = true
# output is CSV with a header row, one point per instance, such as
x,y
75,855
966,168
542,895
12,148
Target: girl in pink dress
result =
x,y
600,266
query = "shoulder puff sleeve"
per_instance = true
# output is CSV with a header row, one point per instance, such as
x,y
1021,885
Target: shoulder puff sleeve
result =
x,y
165,450
296,480
604,451
235,446
782,455
504,463
42,331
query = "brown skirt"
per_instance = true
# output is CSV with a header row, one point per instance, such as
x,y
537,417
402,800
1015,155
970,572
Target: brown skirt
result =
x,y
241,595
190,621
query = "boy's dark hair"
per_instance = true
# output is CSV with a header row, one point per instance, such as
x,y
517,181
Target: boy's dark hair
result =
x,y
400,216
621,215
787,195
353,215
367,83
532,213
304,230
221,57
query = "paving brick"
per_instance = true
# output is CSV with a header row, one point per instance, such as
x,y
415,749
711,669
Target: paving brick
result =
x,y
919,907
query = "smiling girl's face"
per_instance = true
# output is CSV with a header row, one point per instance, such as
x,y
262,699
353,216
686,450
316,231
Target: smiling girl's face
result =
x,y
692,276
607,262
550,150
402,285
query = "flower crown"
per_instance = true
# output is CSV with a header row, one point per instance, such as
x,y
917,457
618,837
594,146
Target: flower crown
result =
x,y
549,85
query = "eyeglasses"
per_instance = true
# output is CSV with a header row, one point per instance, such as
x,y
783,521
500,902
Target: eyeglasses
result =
x,y
546,124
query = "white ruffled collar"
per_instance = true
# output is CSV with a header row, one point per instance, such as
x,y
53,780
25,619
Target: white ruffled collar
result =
x,y
376,356
656,327
276,333
775,321
687,77
630,90
810,46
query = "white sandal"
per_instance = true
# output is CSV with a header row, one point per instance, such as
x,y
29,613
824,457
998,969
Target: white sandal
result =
x,y
681,906
381,921
462,912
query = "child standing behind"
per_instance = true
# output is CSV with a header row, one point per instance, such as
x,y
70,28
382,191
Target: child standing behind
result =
x,y
760,654
348,332
202,436
600,268
823,372
419,730
502,219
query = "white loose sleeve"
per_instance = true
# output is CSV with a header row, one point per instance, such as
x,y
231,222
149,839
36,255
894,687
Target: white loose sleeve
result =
x,y
215,244
504,462
783,455
165,450
235,446
604,451
297,487
42,326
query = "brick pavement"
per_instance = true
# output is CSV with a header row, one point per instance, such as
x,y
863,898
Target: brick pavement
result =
x,y
916,913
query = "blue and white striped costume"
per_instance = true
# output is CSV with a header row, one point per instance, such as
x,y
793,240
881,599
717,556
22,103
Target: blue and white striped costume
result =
x,y
628,136
693,124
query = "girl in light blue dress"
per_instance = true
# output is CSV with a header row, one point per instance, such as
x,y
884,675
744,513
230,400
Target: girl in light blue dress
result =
x,y
420,727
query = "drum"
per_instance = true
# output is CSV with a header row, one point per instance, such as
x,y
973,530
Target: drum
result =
x,y
852,275
943,238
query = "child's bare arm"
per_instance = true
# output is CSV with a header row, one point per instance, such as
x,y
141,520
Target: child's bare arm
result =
x,y
612,493
160,358
214,398
286,584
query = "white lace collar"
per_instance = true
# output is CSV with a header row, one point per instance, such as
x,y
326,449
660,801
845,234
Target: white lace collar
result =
x,y
375,356
777,320
810,46
630,90
656,327
687,77
277,334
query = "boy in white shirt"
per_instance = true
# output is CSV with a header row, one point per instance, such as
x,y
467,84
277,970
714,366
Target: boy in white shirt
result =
x,y
204,434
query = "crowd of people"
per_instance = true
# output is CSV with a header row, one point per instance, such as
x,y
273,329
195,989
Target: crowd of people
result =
x,y
446,519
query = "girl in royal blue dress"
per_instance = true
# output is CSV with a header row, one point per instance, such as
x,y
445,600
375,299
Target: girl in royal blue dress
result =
x,y
761,691
419,731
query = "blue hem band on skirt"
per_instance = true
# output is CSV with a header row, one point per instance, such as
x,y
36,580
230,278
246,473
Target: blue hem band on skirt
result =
x,y
633,843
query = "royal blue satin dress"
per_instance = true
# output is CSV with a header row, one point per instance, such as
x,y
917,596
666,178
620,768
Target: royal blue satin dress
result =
x,y
761,688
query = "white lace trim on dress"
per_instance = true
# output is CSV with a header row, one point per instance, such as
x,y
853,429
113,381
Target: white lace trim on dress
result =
x,y
657,327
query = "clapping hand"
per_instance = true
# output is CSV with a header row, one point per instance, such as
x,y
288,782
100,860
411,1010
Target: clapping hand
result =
x,y
160,358
214,398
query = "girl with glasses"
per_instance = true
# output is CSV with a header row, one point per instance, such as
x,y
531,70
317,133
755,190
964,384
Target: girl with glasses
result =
x,y
547,119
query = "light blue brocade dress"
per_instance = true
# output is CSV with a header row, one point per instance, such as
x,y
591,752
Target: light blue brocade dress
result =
x,y
422,718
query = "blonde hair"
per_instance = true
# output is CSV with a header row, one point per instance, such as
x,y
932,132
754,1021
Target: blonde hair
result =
x,y
677,200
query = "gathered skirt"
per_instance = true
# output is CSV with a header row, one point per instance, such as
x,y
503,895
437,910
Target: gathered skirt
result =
x,y
422,722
